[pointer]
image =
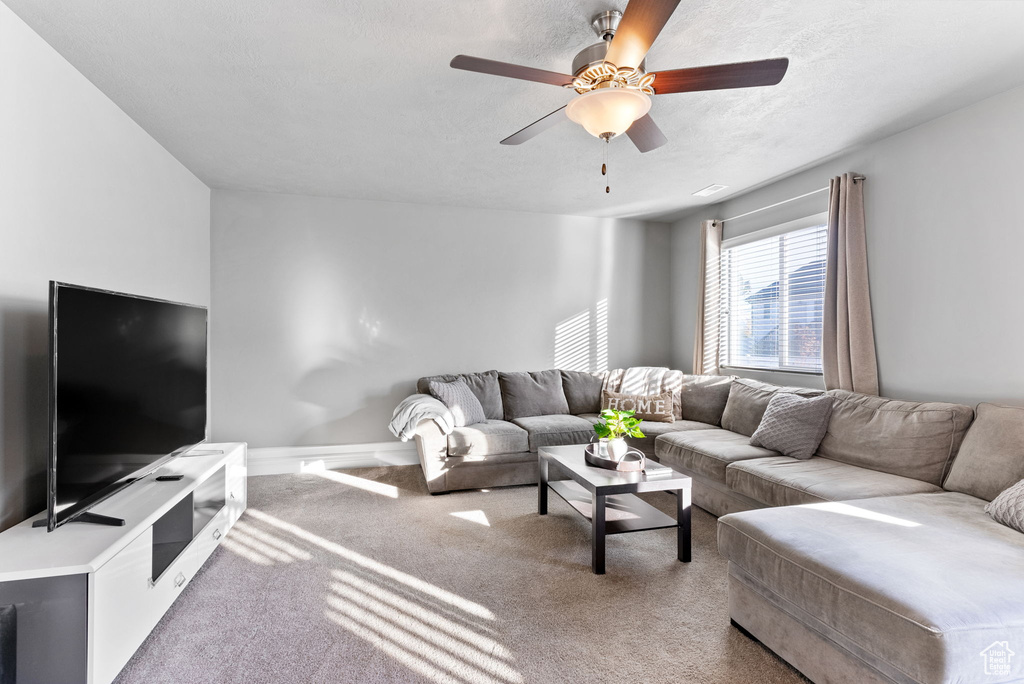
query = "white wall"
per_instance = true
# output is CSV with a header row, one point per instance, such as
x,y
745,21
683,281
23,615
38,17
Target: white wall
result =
x,y
327,310
87,197
945,231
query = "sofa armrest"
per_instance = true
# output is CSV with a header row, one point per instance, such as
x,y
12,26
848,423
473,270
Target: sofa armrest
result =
x,y
432,446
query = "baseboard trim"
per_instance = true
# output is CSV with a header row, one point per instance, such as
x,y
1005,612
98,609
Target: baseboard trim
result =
x,y
283,460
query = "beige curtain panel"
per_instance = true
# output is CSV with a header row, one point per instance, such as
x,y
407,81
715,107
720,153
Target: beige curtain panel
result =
x,y
848,342
706,340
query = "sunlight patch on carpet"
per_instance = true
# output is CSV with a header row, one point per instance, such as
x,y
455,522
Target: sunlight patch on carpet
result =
x,y
478,517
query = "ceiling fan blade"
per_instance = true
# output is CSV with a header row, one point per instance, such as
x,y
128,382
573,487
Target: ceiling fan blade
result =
x,y
641,23
536,128
489,66
645,134
766,72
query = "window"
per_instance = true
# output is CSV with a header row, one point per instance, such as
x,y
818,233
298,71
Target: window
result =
x,y
773,291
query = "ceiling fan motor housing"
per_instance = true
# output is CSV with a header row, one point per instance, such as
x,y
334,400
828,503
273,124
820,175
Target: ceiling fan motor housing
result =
x,y
595,54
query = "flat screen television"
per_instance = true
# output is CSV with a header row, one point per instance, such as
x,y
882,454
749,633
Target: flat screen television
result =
x,y
127,392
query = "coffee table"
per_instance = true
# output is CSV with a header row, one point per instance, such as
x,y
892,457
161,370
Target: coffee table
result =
x,y
606,498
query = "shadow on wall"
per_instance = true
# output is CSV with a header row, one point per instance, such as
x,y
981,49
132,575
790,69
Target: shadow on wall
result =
x,y
346,400
581,341
23,410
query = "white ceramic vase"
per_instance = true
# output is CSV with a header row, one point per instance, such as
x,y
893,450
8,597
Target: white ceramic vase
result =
x,y
617,448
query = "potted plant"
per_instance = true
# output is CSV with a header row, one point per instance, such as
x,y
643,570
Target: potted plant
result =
x,y
616,426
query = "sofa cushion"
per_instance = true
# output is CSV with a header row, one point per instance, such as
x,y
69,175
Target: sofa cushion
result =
x,y
484,386
793,425
582,391
487,438
460,400
654,429
913,439
646,407
556,430
786,481
991,457
706,451
703,397
532,394
1008,507
748,400
917,586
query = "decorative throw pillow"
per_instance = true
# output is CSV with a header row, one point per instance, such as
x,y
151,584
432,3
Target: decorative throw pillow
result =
x,y
1008,507
793,425
656,407
460,400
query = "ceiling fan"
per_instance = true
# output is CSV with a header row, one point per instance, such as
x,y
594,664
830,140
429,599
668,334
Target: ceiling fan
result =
x,y
612,83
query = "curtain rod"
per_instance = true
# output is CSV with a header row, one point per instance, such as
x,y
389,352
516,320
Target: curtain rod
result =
x,y
785,201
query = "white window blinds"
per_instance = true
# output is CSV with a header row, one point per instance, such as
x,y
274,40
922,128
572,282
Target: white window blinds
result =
x,y
772,301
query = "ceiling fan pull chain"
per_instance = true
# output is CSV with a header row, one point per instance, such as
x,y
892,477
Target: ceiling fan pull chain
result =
x,y
604,166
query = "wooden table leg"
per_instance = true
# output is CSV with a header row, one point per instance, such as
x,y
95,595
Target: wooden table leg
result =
x,y
683,520
597,536
542,485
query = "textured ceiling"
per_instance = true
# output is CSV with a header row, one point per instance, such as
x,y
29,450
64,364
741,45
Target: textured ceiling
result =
x,y
356,99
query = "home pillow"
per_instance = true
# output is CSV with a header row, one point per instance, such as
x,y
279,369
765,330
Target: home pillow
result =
x,y
582,391
656,407
460,400
793,425
1008,507
532,394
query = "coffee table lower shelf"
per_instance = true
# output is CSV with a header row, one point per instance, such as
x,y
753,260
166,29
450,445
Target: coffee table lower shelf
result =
x,y
623,512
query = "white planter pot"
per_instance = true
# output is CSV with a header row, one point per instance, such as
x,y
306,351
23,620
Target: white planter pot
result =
x,y
617,448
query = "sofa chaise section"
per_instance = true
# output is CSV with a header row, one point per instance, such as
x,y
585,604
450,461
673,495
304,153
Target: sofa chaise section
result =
x,y
908,589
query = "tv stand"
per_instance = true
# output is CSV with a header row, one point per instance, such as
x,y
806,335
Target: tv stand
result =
x,y
89,517
93,593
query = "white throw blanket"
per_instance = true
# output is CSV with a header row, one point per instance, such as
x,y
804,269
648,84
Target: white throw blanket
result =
x,y
415,408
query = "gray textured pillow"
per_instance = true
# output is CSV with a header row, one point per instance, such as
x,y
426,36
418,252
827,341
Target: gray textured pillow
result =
x,y
460,400
582,391
793,425
748,400
484,386
1008,507
532,394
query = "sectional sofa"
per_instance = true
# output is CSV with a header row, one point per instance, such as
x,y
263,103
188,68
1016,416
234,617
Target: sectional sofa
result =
x,y
872,561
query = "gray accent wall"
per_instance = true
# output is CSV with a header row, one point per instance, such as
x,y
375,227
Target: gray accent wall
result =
x,y
328,310
88,197
945,230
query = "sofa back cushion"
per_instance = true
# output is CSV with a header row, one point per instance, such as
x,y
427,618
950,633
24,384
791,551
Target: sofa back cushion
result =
x,y
532,394
483,385
992,455
912,439
582,391
748,400
702,398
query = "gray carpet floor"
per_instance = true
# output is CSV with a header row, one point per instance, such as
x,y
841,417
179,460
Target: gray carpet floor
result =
x,y
361,576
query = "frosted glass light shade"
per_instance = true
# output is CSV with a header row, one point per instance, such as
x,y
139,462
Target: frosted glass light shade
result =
x,y
608,110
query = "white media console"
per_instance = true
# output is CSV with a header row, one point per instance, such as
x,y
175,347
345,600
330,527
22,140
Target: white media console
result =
x,y
86,596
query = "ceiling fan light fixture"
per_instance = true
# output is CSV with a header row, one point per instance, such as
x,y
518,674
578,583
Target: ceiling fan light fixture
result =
x,y
608,112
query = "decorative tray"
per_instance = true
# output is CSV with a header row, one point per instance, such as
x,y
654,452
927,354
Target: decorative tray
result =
x,y
633,461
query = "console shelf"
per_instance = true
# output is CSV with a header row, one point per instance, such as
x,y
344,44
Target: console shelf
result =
x,y
93,593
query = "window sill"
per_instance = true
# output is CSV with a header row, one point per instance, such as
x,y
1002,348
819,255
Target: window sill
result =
x,y
789,371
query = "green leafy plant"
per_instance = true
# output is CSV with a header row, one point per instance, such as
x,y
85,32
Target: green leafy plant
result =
x,y
618,424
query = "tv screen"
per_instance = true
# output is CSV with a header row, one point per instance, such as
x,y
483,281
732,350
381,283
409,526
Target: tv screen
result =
x,y
127,391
